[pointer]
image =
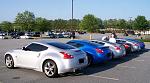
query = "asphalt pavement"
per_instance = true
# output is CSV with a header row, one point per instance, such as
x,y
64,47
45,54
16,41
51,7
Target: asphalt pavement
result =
x,y
134,68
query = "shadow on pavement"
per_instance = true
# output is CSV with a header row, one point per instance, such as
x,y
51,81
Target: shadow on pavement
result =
x,y
107,65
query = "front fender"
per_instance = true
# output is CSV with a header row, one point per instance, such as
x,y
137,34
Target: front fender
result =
x,y
52,56
13,56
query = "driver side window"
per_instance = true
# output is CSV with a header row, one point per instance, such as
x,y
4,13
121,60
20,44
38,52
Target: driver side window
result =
x,y
36,47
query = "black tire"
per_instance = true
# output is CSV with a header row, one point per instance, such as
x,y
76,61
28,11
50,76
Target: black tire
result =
x,y
9,62
90,59
50,68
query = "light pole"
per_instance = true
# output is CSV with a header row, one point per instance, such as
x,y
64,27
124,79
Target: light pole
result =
x,y
72,10
130,23
72,16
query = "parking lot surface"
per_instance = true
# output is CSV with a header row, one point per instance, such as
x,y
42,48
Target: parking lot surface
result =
x,y
134,68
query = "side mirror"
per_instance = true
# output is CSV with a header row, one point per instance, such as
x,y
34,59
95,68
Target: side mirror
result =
x,y
25,49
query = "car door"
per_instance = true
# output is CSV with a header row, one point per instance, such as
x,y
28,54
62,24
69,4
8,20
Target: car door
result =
x,y
30,55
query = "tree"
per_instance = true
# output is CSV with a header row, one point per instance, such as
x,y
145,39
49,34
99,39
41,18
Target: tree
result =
x,y
25,20
42,24
59,24
112,23
149,24
89,23
101,25
122,24
73,24
140,23
6,26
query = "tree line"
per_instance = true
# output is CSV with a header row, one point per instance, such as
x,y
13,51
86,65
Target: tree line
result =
x,y
26,21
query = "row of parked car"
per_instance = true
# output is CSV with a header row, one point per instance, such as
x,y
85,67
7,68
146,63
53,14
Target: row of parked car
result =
x,y
30,35
54,58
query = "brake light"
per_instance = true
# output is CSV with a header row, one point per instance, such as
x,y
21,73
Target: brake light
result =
x,y
99,50
117,48
126,46
66,55
135,44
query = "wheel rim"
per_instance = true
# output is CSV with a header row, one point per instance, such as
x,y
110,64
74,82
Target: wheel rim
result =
x,y
9,61
49,69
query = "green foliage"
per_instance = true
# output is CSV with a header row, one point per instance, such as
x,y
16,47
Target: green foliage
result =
x,y
41,24
59,24
112,23
73,24
90,23
122,24
140,23
6,26
25,21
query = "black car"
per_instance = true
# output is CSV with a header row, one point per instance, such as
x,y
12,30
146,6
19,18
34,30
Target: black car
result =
x,y
14,35
52,35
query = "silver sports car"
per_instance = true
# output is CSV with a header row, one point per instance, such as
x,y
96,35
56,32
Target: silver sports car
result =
x,y
118,50
134,45
52,58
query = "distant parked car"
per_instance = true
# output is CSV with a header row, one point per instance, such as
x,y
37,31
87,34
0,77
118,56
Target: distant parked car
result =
x,y
60,35
130,32
118,50
26,36
134,45
2,35
52,58
126,45
140,43
52,35
96,53
14,35
36,34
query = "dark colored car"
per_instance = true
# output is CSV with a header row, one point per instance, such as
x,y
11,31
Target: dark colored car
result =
x,y
14,35
36,34
52,35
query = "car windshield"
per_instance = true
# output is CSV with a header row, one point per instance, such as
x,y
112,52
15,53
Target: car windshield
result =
x,y
131,40
93,44
61,45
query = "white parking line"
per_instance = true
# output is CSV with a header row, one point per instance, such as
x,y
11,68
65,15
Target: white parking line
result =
x,y
109,78
139,60
127,67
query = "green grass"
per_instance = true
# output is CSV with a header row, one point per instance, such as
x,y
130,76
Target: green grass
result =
x,y
144,40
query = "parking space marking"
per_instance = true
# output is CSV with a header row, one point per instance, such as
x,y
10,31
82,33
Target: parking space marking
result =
x,y
127,67
109,78
138,60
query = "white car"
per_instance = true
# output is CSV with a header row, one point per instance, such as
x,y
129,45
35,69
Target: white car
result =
x,y
52,58
25,37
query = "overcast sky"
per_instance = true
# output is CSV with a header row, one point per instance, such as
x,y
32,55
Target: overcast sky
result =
x,y
54,9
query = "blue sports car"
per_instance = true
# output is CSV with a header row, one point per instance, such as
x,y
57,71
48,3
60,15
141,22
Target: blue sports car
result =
x,y
96,53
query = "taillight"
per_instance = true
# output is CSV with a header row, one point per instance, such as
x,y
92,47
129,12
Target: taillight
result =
x,y
126,46
117,48
99,50
135,44
66,55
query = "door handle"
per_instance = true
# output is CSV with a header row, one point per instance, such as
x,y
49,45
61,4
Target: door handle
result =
x,y
39,55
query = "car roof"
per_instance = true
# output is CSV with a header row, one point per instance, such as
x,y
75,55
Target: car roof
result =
x,y
46,43
86,42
